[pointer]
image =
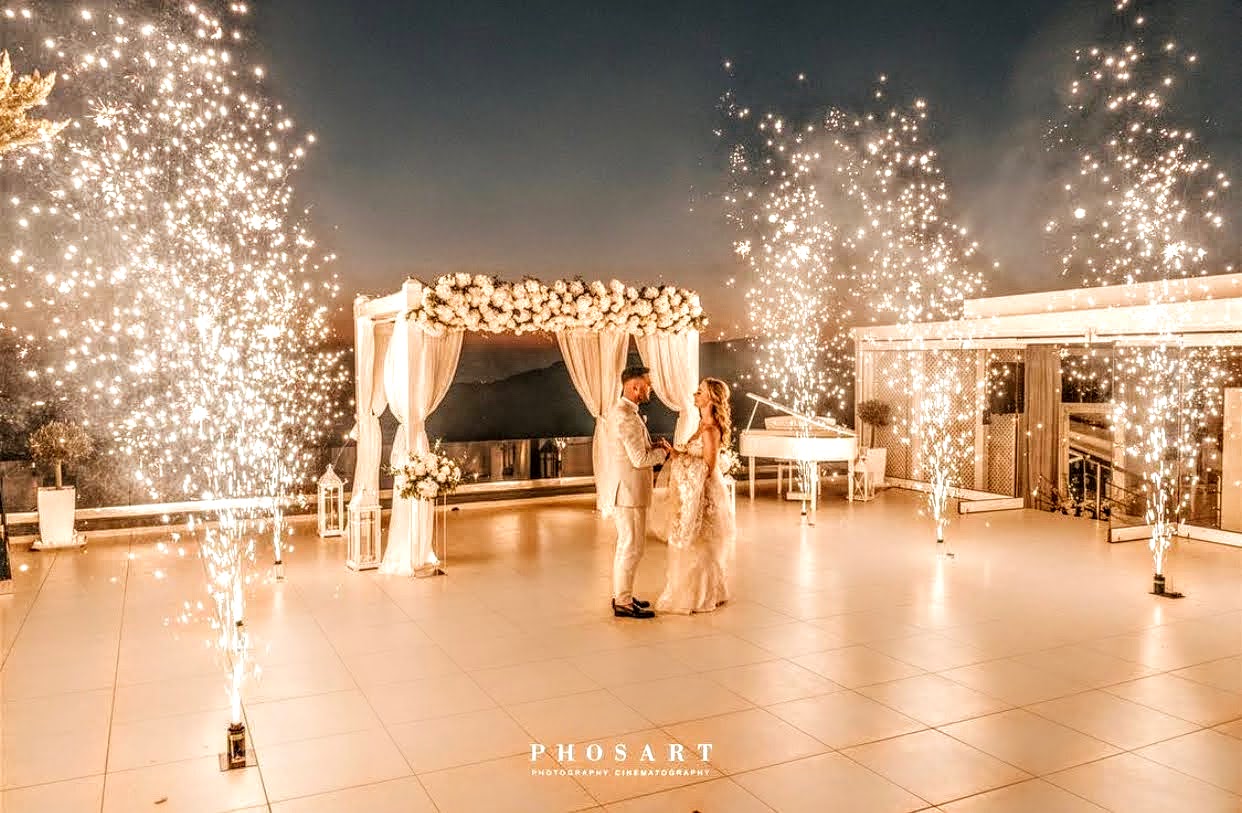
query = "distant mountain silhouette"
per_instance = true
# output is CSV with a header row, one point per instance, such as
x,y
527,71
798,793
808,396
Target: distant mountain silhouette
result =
x,y
543,403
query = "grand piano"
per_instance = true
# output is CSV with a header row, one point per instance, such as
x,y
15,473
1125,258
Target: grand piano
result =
x,y
798,439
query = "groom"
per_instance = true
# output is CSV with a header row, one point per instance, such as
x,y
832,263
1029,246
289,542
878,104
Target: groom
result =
x,y
633,456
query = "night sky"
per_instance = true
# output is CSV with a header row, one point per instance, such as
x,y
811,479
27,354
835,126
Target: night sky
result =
x,y
556,139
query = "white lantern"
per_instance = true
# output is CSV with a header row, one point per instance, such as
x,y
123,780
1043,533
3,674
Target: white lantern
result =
x,y
364,536
331,504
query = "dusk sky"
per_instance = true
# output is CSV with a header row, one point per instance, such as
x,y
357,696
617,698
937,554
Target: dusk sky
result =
x,y
568,138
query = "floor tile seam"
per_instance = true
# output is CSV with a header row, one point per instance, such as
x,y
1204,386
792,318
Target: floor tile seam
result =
x,y
1029,774
1076,691
508,713
720,777
26,615
40,784
1030,708
1030,778
1050,777
841,753
1174,672
891,707
103,791
1175,769
1165,712
366,699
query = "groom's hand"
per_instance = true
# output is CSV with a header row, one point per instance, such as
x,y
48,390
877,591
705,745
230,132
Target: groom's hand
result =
x,y
664,445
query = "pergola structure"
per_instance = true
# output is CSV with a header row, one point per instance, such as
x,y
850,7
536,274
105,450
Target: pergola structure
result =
x,y
1009,353
407,345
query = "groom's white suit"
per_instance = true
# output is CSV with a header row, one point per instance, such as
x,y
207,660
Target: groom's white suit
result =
x,y
633,457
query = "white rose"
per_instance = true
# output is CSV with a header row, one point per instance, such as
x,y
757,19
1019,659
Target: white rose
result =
x,y
445,471
559,286
631,294
482,281
616,286
643,308
443,290
669,290
418,468
650,293
662,305
598,288
428,490
444,313
577,288
463,280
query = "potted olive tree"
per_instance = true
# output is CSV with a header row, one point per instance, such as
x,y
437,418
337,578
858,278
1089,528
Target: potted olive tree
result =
x,y
55,445
874,414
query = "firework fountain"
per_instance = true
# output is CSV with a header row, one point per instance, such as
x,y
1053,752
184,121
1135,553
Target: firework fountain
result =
x,y
841,223
1142,206
160,268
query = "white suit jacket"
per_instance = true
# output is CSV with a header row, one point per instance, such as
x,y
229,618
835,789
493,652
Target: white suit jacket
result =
x,y
632,455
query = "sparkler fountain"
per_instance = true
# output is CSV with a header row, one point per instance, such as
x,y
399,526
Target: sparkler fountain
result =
x,y
842,222
159,263
1142,207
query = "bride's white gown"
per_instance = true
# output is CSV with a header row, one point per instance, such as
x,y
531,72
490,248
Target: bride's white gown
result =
x,y
701,531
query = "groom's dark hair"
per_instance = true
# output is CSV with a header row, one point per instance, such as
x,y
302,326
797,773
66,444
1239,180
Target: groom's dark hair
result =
x,y
630,373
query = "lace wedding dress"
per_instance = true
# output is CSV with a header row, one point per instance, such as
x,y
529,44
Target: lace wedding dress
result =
x,y
701,531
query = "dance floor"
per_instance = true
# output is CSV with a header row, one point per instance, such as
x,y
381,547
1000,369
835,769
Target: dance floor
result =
x,y
855,671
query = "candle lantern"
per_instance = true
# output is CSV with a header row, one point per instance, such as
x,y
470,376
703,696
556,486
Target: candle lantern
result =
x,y
364,535
331,504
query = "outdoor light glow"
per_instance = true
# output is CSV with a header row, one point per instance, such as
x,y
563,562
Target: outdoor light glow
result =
x,y
841,223
1152,215
165,271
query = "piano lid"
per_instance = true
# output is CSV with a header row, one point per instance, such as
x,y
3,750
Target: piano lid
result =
x,y
811,420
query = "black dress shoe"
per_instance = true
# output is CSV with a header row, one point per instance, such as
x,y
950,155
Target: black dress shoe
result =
x,y
638,602
631,611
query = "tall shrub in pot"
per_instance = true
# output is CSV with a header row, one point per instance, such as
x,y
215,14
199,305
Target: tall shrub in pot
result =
x,y
55,445
873,414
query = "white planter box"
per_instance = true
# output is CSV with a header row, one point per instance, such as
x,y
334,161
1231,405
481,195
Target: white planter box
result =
x,y
876,462
56,511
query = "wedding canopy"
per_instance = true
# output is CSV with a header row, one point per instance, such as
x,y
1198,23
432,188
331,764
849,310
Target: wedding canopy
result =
x,y
407,345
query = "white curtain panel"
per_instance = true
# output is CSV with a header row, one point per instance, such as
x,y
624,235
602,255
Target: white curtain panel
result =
x,y
418,371
595,360
674,363
370,349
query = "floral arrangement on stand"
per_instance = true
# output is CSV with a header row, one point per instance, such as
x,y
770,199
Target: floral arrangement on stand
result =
x,y
481,303
730,462
428,475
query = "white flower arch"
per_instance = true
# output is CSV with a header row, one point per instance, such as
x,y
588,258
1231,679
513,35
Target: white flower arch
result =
x,y
407,345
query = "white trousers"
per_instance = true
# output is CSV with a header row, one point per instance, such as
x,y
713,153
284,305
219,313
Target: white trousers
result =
x,y
631,538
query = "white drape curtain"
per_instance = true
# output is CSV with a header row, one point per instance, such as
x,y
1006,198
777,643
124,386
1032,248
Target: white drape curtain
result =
x,y
674,363
370,397
418,371
595,360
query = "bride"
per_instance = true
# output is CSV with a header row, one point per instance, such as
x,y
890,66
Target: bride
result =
x,y
700,518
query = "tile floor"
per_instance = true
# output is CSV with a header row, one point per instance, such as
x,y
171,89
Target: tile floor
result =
x,y
855,671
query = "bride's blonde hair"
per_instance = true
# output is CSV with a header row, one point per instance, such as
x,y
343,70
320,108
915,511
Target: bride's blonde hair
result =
x,y
718,393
